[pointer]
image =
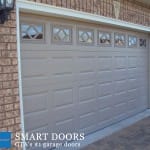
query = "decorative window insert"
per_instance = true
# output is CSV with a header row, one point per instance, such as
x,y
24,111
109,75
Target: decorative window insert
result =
x,y
86,36
61,34
120,40
132,41
104,38
32,31
142,43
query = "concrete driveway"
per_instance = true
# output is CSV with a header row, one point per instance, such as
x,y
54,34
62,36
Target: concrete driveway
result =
x,y
135,137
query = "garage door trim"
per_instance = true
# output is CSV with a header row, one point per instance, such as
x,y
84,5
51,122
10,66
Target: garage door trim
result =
x,y
39,8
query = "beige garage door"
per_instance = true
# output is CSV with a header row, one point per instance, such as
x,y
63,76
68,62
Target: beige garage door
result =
x,y
79,76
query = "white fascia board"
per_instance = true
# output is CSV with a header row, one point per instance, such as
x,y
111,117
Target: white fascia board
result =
x,y
40,8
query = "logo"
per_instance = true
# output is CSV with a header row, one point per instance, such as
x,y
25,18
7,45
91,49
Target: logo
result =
x,y
5,139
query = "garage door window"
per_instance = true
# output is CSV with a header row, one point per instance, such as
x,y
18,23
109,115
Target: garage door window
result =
x,y
85,36
31,31
104,38
61,34
142,43
132,41
120,40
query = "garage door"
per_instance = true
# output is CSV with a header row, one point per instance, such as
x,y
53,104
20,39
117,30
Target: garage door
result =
x,y
80,77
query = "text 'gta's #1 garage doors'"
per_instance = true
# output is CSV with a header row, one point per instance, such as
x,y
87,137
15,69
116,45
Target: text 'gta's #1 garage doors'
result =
x,y
80,77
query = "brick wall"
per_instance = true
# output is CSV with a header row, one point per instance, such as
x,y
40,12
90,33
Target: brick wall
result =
x,y
131,10
9,99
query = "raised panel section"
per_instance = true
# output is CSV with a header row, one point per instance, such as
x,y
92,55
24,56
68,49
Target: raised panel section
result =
x,y
63,97
105,89
86,64
61,66
104,76
104,63
35,103
121,86
132,62
120,74
86,92
120,62
35,67
36,120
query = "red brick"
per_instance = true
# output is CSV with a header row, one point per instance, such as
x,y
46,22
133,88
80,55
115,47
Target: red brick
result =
x,y
8,107
9,122
6,92
5,30
11,114
15,76
17,120
5,61
5,77
10,69
10,99
10,84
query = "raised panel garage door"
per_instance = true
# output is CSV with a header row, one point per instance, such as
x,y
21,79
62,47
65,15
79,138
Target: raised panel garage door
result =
x,y
80,77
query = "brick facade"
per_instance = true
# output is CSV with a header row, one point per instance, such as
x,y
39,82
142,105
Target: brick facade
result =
x,y
131,10
9,99
9,95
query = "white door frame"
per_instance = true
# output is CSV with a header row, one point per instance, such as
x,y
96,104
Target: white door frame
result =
x,y
48,10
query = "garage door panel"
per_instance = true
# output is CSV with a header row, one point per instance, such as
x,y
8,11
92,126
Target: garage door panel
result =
x,y
62,66
86,75
132,62
120,62
105,89
32,54
38,119
87,122
35,81
64,116
34,90
121,86
35,103
120,74
104,76
64,77
87,107
65,126
104,63
63,97
132,73
132,84
36,67
120,97
120,108
105,101
133,94
132,105
105,114
86,92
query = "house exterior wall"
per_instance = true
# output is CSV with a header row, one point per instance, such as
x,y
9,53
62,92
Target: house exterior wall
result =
x,y
131,11
9,95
